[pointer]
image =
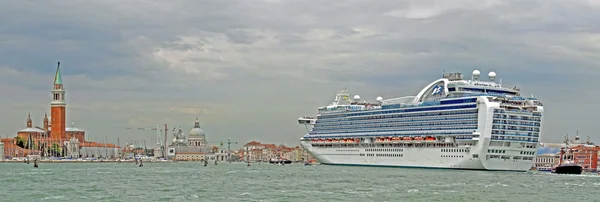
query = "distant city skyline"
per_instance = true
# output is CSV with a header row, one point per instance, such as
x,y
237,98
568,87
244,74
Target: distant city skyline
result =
x,y
249,69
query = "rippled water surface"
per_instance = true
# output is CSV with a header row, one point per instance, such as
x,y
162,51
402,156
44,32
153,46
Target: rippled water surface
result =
x,y
264,182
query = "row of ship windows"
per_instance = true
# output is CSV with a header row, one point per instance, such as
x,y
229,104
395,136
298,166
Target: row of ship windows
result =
x,y
507,144
524,115
455,150
528,131
347,150
395,130
501,111
438,118
345,154
399,134
518,123
516,128
519,139
384,150
524,118
469,122
526,158
374,155
452,156
527,153
504,133
324,120
496,151
393,147
439,108
386,155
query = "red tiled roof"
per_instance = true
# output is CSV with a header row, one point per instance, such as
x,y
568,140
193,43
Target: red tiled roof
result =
x,y
253,143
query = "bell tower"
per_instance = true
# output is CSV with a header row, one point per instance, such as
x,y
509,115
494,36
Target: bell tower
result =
x,y
58,107
29,122
46,125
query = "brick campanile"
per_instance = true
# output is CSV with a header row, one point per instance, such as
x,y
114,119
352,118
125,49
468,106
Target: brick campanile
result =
x,y
57,108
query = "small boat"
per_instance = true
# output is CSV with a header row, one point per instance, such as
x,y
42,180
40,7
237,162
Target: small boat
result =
x,y
566,165
279,161
568,168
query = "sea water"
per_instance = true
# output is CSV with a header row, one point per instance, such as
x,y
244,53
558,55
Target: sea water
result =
x,y
189,181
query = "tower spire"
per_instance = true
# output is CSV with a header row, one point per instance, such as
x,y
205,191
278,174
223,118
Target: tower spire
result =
x,y
29,122
197,123
57,77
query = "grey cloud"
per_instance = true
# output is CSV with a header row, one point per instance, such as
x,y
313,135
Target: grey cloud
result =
x,y
270,62
241,36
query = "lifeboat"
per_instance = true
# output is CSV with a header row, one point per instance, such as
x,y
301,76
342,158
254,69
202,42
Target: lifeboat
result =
x,y
343,140
335,140
430,139
406,138
357,140
418,139
396,139
313,140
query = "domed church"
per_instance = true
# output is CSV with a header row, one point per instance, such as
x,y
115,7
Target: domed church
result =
x,y
197,137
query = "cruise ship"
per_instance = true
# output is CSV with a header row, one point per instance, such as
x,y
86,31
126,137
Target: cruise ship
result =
x,y
452,123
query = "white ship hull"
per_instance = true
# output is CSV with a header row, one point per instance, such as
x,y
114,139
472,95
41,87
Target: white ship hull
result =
x,y
415,158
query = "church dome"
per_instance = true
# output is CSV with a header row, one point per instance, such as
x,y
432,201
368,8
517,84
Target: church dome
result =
x,y
197,131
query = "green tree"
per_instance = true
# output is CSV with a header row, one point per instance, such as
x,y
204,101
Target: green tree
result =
x,y
20,142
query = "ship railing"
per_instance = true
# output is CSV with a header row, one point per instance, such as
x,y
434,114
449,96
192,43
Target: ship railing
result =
x,y
400,120
471,111
512,134
397,123
394,129
516,124
518,118
437,133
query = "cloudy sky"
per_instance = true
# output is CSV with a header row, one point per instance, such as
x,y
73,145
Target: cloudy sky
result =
x,y
248,69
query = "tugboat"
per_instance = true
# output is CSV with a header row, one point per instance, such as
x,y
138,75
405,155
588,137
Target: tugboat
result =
x,y
566,163
279,161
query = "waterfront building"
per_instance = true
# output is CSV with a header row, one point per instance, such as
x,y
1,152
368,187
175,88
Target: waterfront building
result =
x,y
195,148
54,137
73,149
545,162
294,154
2,150
256,151
587,157
218,153
190,156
